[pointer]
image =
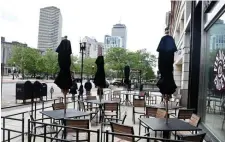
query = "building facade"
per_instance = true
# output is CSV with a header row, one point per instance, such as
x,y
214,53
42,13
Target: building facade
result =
x,y
179,25
201,53
120,30
6,52
113,41
50,28
92,45
100,49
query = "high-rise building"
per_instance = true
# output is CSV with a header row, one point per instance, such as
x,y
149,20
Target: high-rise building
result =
x,y
91,50
50,28
113,41
120,30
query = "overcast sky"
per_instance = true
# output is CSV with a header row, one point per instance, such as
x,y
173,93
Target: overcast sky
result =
x,y
145,20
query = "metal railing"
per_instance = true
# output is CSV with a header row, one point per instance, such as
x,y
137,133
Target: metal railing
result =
x,y
135,138
61,127
9,131
19,118
98,138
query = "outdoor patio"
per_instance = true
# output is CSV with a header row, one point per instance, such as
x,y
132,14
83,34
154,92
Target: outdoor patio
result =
x,y
14,125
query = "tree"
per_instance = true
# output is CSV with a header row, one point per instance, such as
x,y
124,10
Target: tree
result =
x,y
25,58
89,63
117,58
51,62
75,66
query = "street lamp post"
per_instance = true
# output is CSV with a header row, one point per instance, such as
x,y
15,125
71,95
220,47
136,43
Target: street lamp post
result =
x,y
82,49
93,67
13,69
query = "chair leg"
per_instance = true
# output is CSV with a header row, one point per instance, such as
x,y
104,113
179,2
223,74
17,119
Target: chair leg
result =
x,y
34,135
223,122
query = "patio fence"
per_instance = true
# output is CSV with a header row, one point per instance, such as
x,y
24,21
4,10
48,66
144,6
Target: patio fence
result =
x,y
24,133
9,133
97,138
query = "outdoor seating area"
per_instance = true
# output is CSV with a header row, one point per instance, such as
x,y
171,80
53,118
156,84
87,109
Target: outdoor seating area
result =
x,y
144,118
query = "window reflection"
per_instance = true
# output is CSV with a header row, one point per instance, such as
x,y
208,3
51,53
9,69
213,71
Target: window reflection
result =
x,y
215,113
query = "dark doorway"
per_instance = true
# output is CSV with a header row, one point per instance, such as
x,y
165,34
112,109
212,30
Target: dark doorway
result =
x,y
195,52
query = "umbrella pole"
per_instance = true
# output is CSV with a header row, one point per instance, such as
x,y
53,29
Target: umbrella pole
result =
x,y
65,92
100,93
166,108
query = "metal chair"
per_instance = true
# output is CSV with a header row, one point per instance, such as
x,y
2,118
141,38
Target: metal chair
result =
x,y
78,123
92,111
120,128
185,113
160,113
140,103
90,105
110,110
194,121
194,138
150,112
57,106
39,130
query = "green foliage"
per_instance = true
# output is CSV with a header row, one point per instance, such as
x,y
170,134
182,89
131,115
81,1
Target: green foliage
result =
x,y
51,62
89,66
117,58
31,61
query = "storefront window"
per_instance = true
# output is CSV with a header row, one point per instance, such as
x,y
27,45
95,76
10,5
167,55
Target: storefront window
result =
x,y
215,109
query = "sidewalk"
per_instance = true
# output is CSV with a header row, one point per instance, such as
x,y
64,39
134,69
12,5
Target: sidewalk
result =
x,y
8,79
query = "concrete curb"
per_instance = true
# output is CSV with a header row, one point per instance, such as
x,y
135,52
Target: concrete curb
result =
x,y
15,81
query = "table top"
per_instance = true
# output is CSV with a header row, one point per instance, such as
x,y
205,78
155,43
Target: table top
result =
x,y
171,106
100,102
156,94
174,124
59,114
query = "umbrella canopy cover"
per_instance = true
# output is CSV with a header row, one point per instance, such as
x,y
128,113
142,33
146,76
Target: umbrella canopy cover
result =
x,y
166,50
126,74
99,79
63,80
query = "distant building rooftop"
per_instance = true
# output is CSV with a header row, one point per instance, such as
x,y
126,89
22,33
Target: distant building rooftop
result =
x,y
119,26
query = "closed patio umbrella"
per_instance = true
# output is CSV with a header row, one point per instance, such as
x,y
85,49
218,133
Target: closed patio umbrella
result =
x,y
99,79
166,83
126,74
63,80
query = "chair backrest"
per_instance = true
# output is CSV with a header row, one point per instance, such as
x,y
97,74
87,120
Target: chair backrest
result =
x,y
78,123
81,106
111,106
57,106
160,113
123,129
185,113
195,119
194,138
138,102
91,98
151,111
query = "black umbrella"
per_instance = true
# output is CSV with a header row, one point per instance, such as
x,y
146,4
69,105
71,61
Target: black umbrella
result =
x,y
63,80
126,74
166,83
99,79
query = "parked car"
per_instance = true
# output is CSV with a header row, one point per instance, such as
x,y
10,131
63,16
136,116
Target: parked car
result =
x,y
117,82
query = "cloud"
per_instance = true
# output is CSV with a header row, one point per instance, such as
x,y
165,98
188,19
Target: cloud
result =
x,y
7,16
145,20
